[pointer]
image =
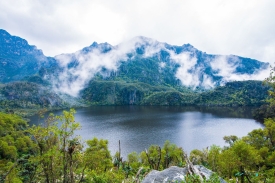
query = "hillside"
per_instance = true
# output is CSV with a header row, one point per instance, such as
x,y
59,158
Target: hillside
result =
x,y
140,71
149,61
18,59
236,93
26,98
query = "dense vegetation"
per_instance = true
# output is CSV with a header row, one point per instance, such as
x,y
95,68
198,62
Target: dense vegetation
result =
x,y
140,78
124,93
28,97
236,93
53,153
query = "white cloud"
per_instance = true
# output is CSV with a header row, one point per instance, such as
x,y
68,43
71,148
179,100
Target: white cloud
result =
x,y
186,64
190,72
226,69
74,79
220,27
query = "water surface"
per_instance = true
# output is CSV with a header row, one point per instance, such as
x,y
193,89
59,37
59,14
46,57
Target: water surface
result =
x,y
137,127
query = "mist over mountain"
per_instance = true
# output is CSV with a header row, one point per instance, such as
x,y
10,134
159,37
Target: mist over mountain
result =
x,y
146,60
139,60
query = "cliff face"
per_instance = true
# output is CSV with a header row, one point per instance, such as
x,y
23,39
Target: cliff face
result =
x,y
113,93
28,95
237,93
18,59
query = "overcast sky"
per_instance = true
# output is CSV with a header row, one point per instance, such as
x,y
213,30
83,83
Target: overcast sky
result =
x,y
239,27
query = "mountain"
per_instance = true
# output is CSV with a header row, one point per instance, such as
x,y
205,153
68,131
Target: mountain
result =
x,y
140,59
140,71
149,61
18,59
235,93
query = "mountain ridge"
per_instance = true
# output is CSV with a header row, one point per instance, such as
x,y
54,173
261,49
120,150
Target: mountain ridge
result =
x,y
18,59
141,71
147,60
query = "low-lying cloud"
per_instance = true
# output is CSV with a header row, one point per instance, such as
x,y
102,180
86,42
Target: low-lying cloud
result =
x,y
225,66
191,73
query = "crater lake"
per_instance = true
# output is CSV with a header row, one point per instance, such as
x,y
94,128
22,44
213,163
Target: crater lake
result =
x,y
138,127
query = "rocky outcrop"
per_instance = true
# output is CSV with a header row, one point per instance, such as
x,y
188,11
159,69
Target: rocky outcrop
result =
x,y
175,174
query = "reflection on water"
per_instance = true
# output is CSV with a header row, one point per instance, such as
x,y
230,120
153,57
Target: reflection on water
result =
x,y
137,127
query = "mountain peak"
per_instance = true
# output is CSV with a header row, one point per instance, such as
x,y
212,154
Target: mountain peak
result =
x,y
95,44
3,32
102,47
188,45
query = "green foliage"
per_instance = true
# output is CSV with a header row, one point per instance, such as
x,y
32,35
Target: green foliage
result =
x,y
28,95
172,155
169,98
198,157
97,156
52,153
134,161
267,110
100,92
20,97
236,93
213,157
214,178
14,144
119,92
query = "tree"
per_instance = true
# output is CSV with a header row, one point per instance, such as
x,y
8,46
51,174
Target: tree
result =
x,y
14,146
198,157
269,132
213,157
172,155
152,156
56,147
230,139
68,142
97,156
133,160
247,157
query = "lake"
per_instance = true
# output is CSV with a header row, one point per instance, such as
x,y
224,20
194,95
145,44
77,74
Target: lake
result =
x,y
137,127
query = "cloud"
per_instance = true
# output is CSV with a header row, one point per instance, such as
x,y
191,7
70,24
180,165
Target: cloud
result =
x,y
184,72
73,79
225,66
214,26
191,73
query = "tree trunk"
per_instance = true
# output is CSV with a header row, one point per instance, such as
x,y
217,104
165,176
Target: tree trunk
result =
x,y
191,169
242,174
159,158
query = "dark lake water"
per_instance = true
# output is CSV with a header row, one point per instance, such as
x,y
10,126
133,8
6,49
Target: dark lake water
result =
x,y
137,127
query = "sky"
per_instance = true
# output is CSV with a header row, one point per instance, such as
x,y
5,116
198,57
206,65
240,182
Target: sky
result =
x,y
238,27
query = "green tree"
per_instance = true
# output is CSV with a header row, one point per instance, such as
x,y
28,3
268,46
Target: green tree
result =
x,y
198,157
152,157
172,155
14,144
269,132
247,157
230,139
213,157
97,156
56,148
133,160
